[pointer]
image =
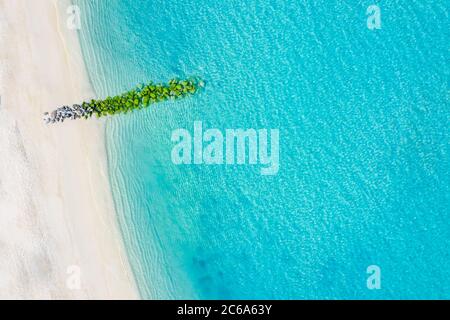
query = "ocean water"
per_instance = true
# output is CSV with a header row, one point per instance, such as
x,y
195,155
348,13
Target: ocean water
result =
x,y
364,146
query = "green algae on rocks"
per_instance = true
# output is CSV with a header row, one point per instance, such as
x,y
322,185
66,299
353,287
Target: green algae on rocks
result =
x,y
138,98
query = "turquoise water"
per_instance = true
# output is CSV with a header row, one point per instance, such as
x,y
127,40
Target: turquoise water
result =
x,y
364,146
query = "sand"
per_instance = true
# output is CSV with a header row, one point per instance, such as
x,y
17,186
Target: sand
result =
x,y
59,236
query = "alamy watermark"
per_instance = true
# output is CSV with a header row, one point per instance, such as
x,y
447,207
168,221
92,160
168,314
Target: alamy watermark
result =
x,y
234,146
373,13
74,20
374,279
73,280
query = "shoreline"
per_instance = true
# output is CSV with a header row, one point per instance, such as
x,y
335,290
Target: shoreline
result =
x,y
59,231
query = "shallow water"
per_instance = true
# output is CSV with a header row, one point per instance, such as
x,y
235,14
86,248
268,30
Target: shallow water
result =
x,y
364,146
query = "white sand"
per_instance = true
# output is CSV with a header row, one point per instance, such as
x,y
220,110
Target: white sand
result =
x,y
56,209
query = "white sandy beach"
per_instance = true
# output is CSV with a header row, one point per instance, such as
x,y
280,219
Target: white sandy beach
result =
x,y
56,209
